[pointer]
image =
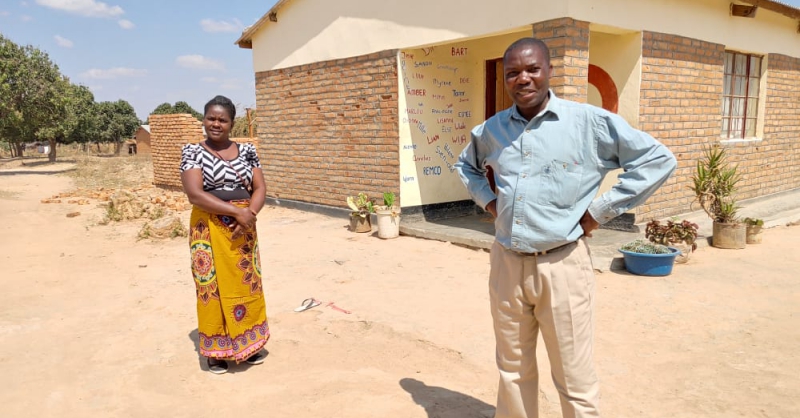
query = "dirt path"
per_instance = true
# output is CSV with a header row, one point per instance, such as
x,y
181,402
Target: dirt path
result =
x,y
98,324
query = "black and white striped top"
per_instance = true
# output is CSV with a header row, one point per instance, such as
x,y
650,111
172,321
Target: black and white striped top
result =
x,y
217,174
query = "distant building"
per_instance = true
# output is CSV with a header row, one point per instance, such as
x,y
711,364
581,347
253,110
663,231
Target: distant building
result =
x,y
142,137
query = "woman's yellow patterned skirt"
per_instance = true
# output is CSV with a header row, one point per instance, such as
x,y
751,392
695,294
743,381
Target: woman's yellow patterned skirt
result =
x,y
231,312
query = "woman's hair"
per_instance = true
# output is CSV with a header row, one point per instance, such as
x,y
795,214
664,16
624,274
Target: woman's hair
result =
x,y
223,101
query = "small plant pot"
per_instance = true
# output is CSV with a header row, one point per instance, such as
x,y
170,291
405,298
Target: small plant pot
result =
x,y
753,234
729,235
360,224
685,252
650,264
388,223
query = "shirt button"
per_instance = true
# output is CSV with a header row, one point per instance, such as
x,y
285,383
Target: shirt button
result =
x,y
527,131
519,221
516,244
527,153
519,199
524,175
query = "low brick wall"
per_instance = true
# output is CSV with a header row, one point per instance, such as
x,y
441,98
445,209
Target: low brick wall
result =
x,y
168,135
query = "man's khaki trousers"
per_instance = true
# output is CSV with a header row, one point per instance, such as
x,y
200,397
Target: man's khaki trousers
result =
x,y
555,293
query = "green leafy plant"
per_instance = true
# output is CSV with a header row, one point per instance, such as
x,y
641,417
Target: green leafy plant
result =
x,y
388,199
753,221
672,232
714,184
360,205
645,247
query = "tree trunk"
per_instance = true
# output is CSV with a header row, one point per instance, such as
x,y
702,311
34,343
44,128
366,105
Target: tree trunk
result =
x,y
98,147
18,147
117,148
52,156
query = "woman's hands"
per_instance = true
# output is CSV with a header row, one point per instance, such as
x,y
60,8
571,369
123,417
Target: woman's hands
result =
x,y
245,221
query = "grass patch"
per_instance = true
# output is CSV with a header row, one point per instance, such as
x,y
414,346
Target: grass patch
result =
x,y
112,172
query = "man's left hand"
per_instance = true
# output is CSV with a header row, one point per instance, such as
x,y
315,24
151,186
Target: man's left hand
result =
x,y
588,224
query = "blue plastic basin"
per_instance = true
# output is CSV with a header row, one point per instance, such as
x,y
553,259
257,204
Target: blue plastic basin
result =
x,y
650,264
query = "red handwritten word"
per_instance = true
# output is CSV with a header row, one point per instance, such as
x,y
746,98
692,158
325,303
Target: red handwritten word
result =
x,y
458,52
433,139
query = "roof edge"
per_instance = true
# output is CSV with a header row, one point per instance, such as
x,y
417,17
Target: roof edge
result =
x,y
245,41
777,7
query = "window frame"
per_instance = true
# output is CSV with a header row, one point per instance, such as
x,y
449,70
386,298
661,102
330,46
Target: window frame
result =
x,y
750,75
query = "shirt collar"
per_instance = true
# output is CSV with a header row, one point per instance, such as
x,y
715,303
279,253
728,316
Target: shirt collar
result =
x,y
553,106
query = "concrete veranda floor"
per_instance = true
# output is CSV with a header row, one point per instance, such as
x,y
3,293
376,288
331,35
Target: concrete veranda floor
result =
x,y
477,231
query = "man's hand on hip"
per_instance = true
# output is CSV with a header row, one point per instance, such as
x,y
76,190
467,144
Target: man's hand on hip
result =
x,y
588,224
492,208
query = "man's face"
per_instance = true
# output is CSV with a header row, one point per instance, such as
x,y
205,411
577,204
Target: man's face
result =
x,y
527,76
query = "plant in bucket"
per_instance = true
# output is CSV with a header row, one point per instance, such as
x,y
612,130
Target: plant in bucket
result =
x,y
388,216
753,231
681,235
646,258
714,185
361,208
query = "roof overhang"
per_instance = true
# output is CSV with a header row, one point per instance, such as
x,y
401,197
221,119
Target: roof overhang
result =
x,y
776,6
246,40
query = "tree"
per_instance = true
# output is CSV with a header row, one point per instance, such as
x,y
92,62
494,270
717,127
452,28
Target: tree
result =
x,y
183,107
38,103
31,94
118,122
179,107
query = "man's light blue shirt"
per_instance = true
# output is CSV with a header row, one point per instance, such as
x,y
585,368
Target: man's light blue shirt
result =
x,y
548,171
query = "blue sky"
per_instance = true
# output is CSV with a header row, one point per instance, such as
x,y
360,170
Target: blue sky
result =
x,y
143,51
146,52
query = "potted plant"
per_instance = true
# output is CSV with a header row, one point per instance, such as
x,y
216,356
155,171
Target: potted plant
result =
x,y
388,216
647,258
361,208
753,230
714,185
681,235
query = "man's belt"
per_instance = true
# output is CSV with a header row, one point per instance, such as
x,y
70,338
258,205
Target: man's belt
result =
x,y
552,250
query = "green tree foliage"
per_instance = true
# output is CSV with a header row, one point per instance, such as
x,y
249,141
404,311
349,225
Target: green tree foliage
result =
x,y
32,99
37,103
179,107
118,122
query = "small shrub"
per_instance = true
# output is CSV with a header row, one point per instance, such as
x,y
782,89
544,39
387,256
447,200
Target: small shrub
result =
x,y
672,233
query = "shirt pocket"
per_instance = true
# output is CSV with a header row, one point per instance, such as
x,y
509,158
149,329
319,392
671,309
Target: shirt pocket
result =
x,y
561,183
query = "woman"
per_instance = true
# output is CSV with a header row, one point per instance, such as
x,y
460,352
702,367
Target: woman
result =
x,y
223,181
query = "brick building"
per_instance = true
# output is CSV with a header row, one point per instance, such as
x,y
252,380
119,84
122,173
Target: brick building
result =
x,y
372,96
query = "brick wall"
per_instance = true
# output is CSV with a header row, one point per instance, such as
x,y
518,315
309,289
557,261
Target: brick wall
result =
x,y
168,135
330,129
778,166
680,105
568,40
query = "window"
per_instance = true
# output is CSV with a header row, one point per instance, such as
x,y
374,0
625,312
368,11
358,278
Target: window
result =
x,y
740,95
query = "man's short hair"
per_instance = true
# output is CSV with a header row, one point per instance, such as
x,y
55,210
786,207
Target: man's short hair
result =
x,y
528,43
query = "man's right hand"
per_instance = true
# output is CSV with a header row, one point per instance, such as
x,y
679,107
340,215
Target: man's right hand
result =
x,y
492,208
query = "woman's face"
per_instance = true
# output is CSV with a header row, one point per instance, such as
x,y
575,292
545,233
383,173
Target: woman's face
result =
x,y
218,123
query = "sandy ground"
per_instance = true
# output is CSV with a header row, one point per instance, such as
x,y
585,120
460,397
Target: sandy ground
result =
x,y
99,324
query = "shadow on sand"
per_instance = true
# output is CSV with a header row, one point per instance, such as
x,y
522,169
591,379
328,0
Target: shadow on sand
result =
x,y
445,403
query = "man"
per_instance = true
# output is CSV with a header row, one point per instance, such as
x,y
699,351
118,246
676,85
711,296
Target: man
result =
x,y
549,157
